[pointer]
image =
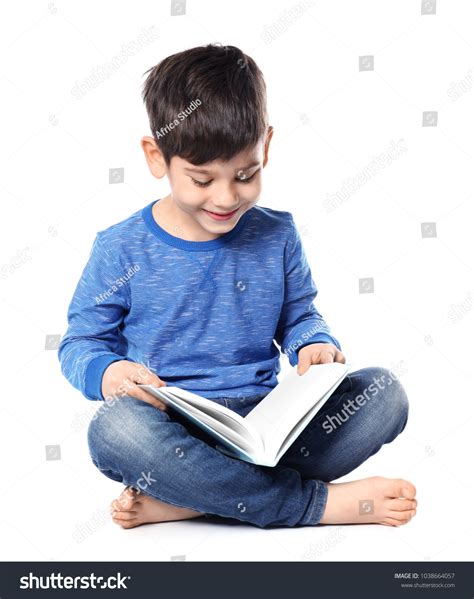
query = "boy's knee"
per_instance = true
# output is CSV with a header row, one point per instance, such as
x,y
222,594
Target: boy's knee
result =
x,y
121,425
380,388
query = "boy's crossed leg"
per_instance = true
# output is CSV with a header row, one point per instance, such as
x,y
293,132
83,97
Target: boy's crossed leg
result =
x,y
296,492
368,409
131,441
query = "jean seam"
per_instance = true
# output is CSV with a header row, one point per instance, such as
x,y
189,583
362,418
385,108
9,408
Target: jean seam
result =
x,y
350,382
315,511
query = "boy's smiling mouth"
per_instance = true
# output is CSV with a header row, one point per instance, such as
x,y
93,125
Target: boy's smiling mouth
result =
x,y
219,216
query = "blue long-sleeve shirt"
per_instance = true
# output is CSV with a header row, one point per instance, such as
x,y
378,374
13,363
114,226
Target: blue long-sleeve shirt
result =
x,y
202,315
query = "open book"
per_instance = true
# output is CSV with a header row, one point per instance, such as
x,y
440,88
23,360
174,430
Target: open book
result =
x,y
268,430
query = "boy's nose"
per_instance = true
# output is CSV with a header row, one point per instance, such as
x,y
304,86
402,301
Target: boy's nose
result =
x,y
224,206
226,200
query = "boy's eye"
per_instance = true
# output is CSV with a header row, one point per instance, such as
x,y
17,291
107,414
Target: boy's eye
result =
x,y
247,179
207,183
201,183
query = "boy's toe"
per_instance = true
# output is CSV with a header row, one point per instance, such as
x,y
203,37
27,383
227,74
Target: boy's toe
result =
x,y
124,516
130,523
402,517
391,522
402,505
402,488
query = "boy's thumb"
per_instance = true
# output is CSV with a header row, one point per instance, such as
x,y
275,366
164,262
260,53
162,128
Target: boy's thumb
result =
x,y
158,382
302,367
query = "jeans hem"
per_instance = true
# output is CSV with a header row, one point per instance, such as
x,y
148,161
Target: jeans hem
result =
x,y
318,503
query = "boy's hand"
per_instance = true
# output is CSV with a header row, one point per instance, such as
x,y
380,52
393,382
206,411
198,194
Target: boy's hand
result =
x,y
121,378
318,353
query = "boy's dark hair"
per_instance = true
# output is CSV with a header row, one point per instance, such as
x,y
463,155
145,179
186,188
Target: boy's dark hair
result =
x,y
223,93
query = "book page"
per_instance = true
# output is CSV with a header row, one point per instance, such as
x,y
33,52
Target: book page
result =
x,y
210,412
300,426
279,413
216,426
238,449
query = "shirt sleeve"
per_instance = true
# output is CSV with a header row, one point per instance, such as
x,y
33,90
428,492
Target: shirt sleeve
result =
x,y
93,339
300,323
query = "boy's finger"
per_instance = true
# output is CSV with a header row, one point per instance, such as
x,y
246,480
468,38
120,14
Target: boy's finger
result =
x,y
303,364
340,357
142,395
147,377
326,357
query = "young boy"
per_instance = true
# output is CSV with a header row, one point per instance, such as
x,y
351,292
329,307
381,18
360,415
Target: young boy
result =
x,y
193,290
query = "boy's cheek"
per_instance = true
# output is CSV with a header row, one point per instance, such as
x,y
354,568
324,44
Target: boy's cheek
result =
x,y
253,192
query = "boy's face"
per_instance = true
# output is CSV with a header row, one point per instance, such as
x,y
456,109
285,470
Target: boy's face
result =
x,y
212,197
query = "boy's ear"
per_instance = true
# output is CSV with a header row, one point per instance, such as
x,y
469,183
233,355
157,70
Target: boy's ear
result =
x,y
267,144
154,157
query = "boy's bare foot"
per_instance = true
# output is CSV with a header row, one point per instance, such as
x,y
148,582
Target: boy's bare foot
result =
x,y
133,508
379,500
376,500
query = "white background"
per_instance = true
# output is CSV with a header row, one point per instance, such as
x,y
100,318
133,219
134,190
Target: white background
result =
x,y
332,122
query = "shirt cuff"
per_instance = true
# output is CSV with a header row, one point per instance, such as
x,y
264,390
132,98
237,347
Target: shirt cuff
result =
x,y
94,373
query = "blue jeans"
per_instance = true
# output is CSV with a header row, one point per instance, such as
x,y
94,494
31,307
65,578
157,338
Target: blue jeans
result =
x,y
169,458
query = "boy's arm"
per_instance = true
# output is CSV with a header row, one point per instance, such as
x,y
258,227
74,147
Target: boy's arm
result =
x,y
300,323
93,341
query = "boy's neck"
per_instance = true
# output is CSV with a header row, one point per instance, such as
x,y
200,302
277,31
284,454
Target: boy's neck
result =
x,y
178,223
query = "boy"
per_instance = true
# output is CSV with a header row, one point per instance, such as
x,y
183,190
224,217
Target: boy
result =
x,y
192,291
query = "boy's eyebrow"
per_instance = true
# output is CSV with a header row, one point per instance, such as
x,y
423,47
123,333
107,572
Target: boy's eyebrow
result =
x,y
204,171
